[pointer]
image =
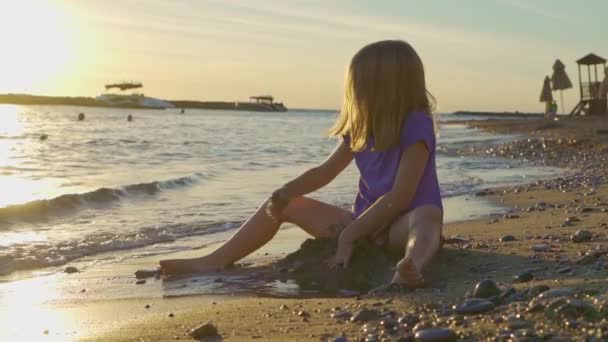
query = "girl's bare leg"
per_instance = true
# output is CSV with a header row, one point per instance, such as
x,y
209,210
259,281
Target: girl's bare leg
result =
x,y
420,231
319,219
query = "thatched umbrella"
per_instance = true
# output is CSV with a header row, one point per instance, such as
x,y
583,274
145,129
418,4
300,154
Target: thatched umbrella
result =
x,y
560,79
545,94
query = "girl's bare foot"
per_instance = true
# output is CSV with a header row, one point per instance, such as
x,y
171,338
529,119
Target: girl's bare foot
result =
x,y
407,274
184,266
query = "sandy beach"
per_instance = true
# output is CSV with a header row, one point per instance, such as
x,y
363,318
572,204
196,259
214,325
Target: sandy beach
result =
x,y
546,254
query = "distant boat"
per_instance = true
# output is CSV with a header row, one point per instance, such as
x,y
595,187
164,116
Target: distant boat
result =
x,y
268,102
131,100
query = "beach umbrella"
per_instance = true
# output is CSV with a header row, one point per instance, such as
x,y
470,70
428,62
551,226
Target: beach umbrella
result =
x,y
545,94
560,79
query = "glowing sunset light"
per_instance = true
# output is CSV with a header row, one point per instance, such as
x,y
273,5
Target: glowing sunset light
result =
x,y
36,45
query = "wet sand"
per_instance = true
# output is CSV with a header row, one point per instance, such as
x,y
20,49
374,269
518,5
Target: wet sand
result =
x,y
542,219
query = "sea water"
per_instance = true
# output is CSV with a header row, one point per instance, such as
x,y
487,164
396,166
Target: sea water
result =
x,y
71,189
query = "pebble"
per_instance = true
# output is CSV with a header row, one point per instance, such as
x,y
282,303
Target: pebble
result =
x,y
140,274
540,248
485,289
171,314
564,270
474,306
147,306
364,315
556,293
581,236
203,331
71,269
523,277
507,238
140,282
436,335
341,315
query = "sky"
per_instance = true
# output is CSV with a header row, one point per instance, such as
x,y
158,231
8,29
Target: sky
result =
x,y
488,55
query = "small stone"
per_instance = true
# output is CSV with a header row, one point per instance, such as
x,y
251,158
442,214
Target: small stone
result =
x,y
485,289
540,248
555,293
203,331
140,274
516,324
340,339
564,270
46,332
364,315
436,335
71,269
585,210
581,236
474,306
536,290
140,282
171,314
147,306
283,307
507,238
523,277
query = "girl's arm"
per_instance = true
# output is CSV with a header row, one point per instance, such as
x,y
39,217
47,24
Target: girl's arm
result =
x,y
386,209
319,176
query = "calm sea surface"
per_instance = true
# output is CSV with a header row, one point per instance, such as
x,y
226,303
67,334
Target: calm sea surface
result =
x,y
106,184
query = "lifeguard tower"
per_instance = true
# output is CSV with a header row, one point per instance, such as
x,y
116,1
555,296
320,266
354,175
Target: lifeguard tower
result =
x,y
591,102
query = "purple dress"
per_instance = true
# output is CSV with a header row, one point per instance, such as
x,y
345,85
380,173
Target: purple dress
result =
x,y
378,169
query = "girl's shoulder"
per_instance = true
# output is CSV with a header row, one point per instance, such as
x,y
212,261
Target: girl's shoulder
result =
x,y
418,126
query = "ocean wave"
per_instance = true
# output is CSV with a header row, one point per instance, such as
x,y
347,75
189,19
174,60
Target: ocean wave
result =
x,y
43,209
42,255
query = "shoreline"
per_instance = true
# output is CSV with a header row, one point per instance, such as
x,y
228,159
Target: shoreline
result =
x,y
461,265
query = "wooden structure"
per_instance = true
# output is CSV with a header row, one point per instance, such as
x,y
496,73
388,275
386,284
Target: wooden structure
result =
x,y
266,99
591,102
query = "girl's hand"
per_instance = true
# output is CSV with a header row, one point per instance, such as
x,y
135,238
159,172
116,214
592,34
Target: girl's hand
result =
x,y
343,254
277,203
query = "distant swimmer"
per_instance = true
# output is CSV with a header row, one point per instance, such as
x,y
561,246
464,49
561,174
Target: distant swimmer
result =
x,y
43,137
182,111
129,117
81,117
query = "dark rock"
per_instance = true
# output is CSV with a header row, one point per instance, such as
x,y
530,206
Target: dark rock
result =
x,y
341,315
516,324
536,290
474,306
586,259
485,289
540,248
581,236
203,331
523,277
364,315
71,269
340,339
511,216
564,270
507,238
585,210
556,293
171,314
409,320
140,274
140,282
436,335
147,306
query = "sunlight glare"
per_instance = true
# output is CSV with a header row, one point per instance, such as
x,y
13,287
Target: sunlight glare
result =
x,y
35,42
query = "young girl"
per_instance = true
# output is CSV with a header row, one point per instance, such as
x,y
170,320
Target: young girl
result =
x,y
386,126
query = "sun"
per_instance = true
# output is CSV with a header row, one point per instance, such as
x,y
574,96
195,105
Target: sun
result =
x,y
36,45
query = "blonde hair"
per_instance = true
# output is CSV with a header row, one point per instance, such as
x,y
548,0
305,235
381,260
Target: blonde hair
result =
x,y
384,83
